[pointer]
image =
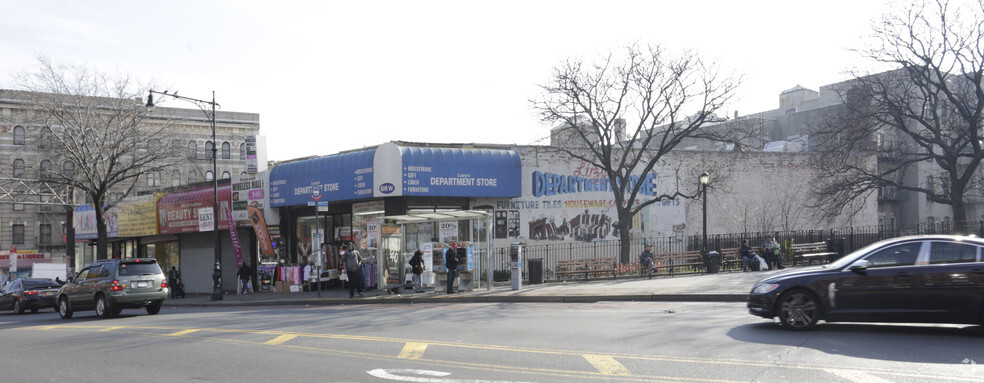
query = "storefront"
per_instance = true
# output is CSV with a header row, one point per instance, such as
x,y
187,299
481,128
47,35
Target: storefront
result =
x,y
178,216
361,193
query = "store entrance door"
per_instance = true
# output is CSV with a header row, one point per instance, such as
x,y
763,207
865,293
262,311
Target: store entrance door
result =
x,y
392,257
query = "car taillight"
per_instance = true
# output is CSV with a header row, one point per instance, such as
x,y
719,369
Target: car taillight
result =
x,y
163,283
116,286
31,292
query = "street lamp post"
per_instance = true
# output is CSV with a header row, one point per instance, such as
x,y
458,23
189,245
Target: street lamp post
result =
x,y
704,179
208,107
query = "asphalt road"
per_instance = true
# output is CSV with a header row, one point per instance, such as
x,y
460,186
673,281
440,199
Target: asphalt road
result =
x,y
484,342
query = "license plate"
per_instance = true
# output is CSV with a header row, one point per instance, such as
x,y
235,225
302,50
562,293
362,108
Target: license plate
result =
x,y
48,294
141,284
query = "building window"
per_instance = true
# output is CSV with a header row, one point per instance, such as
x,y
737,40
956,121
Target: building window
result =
x,y
242,151
18,168
209,175
68,169
18,206
226,151
153,179
208,149
193,148
45,170
45,205
18,233
18,135
44,235
226,175
192,177
176,178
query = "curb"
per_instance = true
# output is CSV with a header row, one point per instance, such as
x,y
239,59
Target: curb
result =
x,y
474,299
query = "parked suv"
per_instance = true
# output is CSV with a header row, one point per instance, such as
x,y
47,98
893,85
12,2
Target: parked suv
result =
x,y
111,285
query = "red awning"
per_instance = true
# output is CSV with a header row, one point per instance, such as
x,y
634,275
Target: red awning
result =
x,y
178,211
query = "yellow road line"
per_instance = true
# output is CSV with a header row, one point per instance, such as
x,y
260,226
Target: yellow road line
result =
x,y
606,364
184,332
412,350
280,339
112,328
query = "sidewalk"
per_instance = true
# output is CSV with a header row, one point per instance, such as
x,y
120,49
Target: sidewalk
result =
x,y
721,287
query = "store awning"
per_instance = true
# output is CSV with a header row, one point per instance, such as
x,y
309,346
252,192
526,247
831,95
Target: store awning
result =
x,y
446,172
179,210
337,177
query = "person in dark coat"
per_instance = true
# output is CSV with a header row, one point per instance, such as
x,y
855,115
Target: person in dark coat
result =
x,y
172,280
745,252
451,263
647,260
245,273
353,269
417,268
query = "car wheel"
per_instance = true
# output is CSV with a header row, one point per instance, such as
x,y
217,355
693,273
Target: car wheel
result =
x,y
117,310
64,309
34,310
18,307
798,310
154,307
102,307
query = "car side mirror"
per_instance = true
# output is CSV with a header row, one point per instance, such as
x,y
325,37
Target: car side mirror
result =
x,y
859,266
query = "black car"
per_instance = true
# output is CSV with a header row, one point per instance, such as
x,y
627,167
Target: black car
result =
x,y
916,279
29,294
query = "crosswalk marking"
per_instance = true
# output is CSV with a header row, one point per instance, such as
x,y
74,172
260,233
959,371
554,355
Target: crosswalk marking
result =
x,y
280,339
183,332
412,350
606,364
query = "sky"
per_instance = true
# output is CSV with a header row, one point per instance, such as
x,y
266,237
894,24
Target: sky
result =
x,y
331,76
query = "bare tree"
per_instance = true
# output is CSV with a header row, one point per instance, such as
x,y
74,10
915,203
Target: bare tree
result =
x,y
94,123
927,114
669,99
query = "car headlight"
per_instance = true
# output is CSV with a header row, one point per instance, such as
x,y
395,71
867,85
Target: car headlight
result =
x,y
763,288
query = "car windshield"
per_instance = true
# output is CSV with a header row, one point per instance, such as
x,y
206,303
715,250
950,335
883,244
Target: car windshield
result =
x,y
39,284
140,268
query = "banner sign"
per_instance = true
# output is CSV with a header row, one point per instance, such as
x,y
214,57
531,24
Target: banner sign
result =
x,y
233,233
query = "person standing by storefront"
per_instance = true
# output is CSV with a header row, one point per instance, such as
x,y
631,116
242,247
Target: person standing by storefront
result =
x,y
353,269
451,263
244,276
416,268
172,280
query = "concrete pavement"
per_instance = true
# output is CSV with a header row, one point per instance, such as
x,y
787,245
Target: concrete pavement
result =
x,y
721,287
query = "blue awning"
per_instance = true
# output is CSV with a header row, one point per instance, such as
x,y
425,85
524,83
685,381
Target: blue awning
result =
x,y
455,172
337,177
391,170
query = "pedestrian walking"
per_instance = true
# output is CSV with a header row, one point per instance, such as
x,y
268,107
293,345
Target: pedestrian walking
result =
x,y
417,268
353,269
451,263
245,274
647,260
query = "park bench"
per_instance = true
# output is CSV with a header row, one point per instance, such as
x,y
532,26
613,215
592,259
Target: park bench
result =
x,y
686,260
809,252
587,267
730,259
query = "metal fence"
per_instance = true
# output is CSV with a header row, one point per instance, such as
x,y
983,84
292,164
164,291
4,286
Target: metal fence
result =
x,y
844,241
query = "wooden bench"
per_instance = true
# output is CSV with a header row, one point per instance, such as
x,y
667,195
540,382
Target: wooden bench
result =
x,y
810,252
587,267
730,259
686,259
